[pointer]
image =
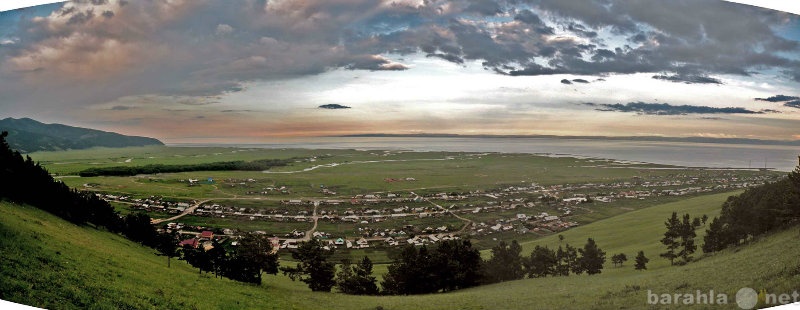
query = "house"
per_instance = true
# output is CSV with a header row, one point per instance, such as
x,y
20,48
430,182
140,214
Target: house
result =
x,y
289,244
362,243
339,241
190,242
207,234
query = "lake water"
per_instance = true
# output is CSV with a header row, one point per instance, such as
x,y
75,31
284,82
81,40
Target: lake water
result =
x,y
783,158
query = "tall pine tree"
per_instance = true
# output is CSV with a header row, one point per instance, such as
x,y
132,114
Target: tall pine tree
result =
x,y
687,236
592,257
671,237
313,268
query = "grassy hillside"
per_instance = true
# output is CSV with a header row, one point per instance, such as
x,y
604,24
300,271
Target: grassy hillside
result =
x,y
50,263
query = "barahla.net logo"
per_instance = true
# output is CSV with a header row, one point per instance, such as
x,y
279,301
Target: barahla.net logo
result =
x,y
746,298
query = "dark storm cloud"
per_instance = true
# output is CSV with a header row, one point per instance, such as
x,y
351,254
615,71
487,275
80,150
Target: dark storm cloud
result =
x,y
581,30
788,101
449,57
793,104
565,81
530,18
484,7
582,81
778,98
688,79
210,47
333,106
668,109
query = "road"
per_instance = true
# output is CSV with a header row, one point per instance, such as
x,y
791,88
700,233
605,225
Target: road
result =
x,y
468,221
185,212
314,216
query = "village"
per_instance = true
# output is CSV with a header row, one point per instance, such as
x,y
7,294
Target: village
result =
x,y
389,219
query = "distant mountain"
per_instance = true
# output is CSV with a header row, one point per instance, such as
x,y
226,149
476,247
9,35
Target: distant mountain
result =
x,y
27,135
625,138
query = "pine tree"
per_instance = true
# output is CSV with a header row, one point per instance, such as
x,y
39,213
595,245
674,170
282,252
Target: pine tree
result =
x,y
167,245
356,279
671,236
505,263
562,262
456,265
366,282
714,240
314,268
696,222
687,236
218,258
592,257
541,263
641,261
255,256
573,260
400,277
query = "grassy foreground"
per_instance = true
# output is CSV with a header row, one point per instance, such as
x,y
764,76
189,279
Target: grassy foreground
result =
x,y
47,262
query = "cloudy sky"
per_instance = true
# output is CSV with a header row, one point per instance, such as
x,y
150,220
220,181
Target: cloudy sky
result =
x,y
247,71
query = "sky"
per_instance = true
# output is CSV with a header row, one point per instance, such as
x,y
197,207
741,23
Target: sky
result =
x,y
252,70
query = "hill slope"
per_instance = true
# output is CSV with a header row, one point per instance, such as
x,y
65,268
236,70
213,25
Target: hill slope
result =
x,y
47,262
27,135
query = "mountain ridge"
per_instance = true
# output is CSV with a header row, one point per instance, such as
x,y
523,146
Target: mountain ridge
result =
x,y
28,135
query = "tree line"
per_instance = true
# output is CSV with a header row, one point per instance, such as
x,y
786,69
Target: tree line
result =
x,y
245,262
256,165
451,265
755,212
26,182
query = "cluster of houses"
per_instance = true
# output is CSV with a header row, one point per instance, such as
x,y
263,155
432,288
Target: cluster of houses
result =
x,y
366,209
522,224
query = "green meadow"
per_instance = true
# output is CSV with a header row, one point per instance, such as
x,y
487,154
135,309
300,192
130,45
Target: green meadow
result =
x,y
47,262
355,172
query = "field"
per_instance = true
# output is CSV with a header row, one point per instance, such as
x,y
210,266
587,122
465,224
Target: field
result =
x,y
50,263
390,193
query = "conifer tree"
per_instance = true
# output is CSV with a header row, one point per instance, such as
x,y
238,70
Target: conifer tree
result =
x,y
641,261
671,237
314,268
687,236
592,257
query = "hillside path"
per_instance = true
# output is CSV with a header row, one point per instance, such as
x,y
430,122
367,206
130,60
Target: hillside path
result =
x,y
185,212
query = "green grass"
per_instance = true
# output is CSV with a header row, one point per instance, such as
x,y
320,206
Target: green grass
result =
x,y
359,172
636,230
47,262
